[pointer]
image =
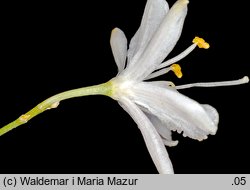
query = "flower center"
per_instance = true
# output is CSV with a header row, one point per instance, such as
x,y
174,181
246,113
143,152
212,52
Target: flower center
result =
x,y
120,87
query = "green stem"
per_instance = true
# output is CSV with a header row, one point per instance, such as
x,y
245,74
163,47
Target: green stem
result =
x,y
52,102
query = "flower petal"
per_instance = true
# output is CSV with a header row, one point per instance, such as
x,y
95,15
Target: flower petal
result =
x,y
118,42
165,133
152,139
161,43
154,13
177,111
212,113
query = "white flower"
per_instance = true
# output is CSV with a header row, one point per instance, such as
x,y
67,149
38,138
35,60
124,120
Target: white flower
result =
x,y
157,107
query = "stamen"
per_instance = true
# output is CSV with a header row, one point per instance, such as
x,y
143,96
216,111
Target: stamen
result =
x,y
178,57
243,80
176,68
201,43
196,42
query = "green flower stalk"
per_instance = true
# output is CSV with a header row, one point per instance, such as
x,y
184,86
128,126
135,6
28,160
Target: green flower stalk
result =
x,y
53,102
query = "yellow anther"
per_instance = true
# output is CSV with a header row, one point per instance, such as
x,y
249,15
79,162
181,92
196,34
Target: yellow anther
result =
x,y
176,68
201,43
24,118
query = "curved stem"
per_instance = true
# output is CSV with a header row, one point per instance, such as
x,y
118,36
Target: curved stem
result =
x,y
53,102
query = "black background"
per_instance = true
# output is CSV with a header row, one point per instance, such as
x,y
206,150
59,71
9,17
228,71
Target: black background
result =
x,y
49,48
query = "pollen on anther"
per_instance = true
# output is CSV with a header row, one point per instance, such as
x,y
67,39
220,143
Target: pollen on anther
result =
x,y
201,43
176,68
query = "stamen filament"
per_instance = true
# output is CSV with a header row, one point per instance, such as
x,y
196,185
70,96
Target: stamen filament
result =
x,y
178,57
243,80
158,73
